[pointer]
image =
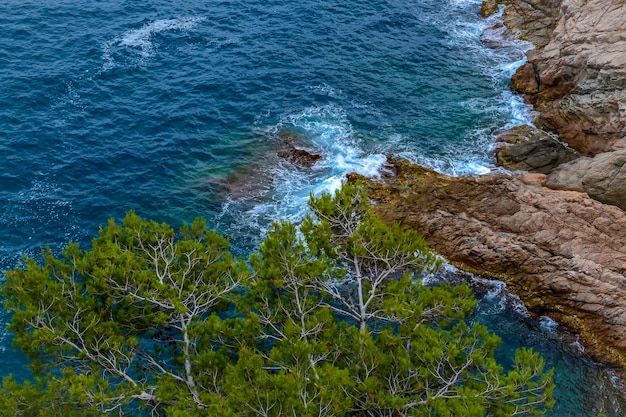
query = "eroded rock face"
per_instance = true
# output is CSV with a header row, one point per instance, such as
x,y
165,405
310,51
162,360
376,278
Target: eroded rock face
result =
x,y
561,251
533,20
525,148
576,79
602,177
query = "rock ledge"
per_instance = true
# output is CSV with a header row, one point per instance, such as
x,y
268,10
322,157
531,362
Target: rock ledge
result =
x,y
562,252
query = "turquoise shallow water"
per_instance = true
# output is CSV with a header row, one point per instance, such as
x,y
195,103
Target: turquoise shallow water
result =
x,y
175,109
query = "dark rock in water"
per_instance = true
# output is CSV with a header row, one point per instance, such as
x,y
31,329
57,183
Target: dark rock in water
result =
x,y
526,148
562,252
292,150
299,157
603,177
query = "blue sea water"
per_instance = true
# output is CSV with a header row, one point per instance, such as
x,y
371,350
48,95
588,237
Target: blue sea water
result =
x,y
176,109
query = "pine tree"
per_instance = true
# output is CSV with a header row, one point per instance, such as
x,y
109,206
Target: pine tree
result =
x,y
326,319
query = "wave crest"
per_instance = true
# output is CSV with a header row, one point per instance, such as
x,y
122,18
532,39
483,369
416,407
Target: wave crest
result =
x,y
140,41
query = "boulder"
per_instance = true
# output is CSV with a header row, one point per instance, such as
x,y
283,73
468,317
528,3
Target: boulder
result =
x,y
603,177
562,252
489,7
525,148
299,157
532,21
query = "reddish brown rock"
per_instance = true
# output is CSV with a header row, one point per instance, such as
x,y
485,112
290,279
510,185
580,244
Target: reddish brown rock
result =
x,y
603,177
489,7
292,149
299,157
576,78
561,251
533,20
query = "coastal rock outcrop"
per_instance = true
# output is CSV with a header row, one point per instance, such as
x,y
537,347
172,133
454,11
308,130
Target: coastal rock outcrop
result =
x,y
532,21
562,252
525,148
576,78
299,157
603,177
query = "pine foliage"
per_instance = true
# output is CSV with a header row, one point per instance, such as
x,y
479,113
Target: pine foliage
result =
x,y
326,319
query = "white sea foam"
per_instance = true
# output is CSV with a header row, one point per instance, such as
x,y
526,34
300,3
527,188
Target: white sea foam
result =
x,y
463,3
495,296
520,112
141,38
455,162
577,345
4,333
328,130
327,90
508,54
501,299
498,62
140,41
547,324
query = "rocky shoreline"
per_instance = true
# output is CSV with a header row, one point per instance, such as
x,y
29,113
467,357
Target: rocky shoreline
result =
x,y
562,252
576,81
555,229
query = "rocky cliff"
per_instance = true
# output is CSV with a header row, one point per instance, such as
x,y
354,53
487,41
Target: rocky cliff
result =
x,y
576,80
561,251
576,77
558,248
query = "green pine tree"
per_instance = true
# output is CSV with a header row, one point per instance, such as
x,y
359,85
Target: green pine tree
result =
x,y
326,319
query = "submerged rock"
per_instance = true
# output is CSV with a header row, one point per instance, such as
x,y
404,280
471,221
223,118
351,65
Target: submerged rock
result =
x,y
562,252
292,149
525,148
255,180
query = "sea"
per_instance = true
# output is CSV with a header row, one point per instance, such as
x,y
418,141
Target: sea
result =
x,y
177,110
